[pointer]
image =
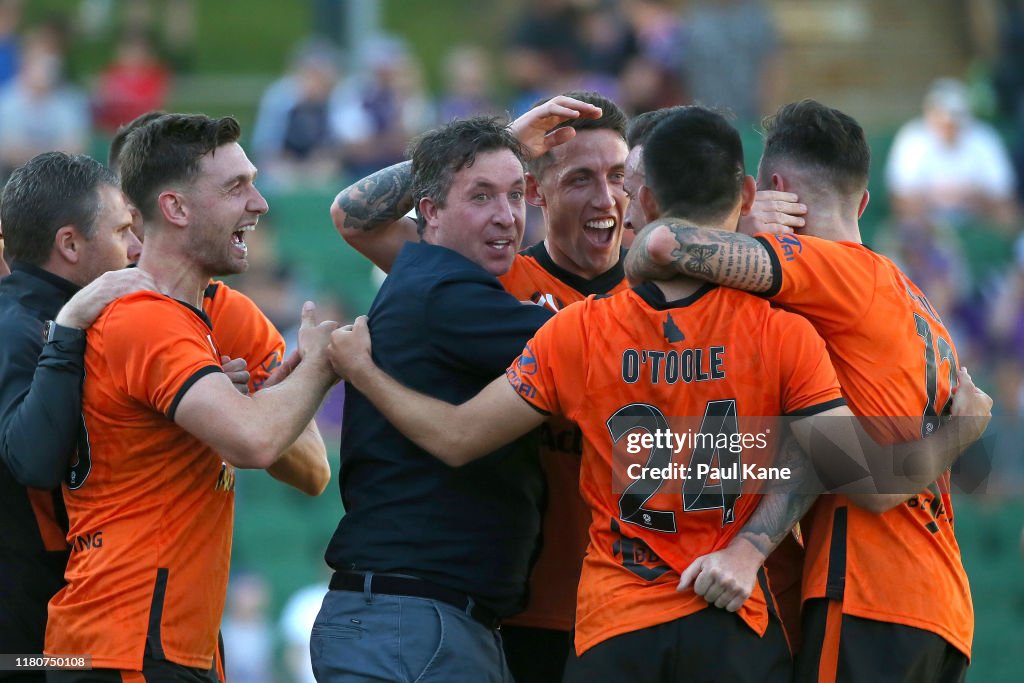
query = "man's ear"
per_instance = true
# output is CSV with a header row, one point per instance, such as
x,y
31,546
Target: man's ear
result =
x,y
748,193
68,244
173,208
778,183
428,210
863,203
534,196
648,204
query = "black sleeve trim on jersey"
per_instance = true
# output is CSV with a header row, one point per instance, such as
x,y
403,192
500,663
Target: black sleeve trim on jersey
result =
x,y
196,376
818,408
539,410
835,584
776,270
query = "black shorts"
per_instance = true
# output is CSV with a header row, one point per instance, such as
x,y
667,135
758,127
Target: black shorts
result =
x,y
841,648
710,645
536,655
153,671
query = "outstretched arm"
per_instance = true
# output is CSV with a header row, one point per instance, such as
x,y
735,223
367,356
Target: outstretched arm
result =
x,y
726,578
454,434
670,247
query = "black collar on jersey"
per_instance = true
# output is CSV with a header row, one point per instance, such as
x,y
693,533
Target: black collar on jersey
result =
x,y
602,284
655,298
201,313
57,281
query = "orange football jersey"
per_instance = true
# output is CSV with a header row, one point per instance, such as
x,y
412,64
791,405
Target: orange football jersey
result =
x,y
897,366
552,600
620,367
242,331
150,506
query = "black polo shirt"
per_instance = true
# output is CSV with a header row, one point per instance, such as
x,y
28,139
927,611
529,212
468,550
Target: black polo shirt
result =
x,y
443,326
40,417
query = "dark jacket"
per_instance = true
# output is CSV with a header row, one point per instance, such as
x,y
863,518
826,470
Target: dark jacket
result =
x,y
40,419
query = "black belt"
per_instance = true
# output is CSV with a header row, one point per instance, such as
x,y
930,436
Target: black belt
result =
x,y
386,584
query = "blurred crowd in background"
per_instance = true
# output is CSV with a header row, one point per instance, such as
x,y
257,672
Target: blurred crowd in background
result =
x,y
951,183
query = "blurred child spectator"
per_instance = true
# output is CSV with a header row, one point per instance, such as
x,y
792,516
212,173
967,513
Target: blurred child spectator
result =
x,y
295,625
468,83
134,83
390,94
39,112
948,167
303,119
247,630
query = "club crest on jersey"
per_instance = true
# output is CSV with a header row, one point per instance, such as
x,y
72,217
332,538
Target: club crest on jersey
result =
x,y
671,331
547,301
791,245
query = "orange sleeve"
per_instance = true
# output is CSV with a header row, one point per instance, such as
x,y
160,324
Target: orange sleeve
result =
x,y
554,359
157,348
829,282
242,331
808,380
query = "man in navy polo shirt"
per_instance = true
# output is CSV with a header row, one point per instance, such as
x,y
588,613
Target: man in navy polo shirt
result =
x,y
428,558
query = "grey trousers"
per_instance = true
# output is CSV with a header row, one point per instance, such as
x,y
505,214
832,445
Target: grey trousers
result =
x,y
374,637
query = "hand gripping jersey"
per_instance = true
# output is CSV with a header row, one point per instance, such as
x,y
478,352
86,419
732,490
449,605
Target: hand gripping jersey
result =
x,y
242,331
627,365
150,506
897,365
555,576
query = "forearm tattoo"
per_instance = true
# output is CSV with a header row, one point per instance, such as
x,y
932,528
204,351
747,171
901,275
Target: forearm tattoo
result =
x,y
727,258
379,199
777,513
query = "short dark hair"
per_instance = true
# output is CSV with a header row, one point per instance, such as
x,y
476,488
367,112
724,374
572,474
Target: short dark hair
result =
x,y
612,118
439,154
819,138
693,161
52,190
641,125
168,150
114,153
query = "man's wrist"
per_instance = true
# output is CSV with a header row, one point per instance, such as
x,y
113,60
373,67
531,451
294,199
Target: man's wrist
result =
x,y
57,332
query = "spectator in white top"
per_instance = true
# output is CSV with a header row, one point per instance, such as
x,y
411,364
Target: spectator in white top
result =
x,y
947,167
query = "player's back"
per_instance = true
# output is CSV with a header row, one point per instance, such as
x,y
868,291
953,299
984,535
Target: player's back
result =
x,y
717,365
897,365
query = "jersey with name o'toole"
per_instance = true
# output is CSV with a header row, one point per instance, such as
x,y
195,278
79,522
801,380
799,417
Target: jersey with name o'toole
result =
x,y
149,506
719,363
242,331
897,366
556,573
